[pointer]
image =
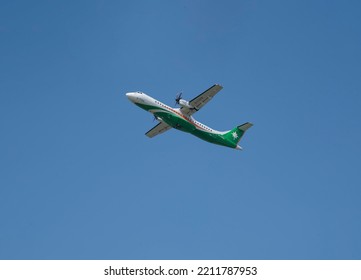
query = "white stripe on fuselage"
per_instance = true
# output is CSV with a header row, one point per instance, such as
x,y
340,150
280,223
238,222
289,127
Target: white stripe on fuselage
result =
x,y
142,98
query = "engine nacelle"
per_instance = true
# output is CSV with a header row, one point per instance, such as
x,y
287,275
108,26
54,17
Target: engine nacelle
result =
x,y
185,103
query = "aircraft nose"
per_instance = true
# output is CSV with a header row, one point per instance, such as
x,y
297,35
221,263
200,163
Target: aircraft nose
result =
x,y
131,96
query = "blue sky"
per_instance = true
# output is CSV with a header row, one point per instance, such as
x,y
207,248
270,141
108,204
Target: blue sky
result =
x,y
79,180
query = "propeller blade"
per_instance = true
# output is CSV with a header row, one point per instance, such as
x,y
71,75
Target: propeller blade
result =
x,y
178,97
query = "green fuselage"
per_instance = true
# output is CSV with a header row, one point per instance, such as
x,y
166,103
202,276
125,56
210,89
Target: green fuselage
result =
x,y
177,120
192,128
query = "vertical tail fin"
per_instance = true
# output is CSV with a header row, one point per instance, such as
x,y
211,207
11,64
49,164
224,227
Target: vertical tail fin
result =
x,y
235,135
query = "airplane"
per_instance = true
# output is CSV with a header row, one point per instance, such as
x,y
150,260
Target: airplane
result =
x,y
182,119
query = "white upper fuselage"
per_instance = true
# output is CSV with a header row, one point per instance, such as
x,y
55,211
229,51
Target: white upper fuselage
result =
x,y
150,104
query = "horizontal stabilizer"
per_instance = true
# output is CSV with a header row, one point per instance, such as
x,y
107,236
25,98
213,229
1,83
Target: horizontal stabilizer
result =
x,y
245,126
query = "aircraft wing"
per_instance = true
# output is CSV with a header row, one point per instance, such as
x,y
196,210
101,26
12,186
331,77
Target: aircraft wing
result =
x,y
158,129
201,100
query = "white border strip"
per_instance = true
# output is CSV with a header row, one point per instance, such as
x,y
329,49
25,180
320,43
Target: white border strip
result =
x,y
101,269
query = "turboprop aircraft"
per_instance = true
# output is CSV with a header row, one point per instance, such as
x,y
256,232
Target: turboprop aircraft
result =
x,y
181,118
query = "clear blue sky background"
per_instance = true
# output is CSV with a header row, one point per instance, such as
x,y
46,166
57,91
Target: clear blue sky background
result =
x,y
79,180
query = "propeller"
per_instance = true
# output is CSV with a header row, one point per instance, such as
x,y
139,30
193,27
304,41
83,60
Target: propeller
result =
x,y
178,98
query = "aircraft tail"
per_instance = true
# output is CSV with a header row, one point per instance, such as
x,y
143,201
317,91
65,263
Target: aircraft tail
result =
x,y
235,134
